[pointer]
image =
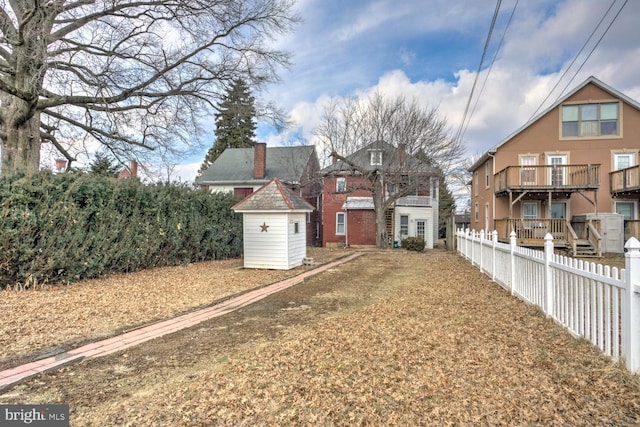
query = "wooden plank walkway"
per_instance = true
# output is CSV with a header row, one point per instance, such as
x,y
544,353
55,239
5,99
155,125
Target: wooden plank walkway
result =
x,y
137,336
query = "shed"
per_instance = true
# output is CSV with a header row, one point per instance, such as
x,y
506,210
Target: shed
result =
x,y
274,227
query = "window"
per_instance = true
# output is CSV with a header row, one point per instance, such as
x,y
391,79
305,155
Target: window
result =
x,y
528,174
242,192
296,227
529,210
375,157
341,185
477,215
626,209
340,225
588,120
404,226
623,160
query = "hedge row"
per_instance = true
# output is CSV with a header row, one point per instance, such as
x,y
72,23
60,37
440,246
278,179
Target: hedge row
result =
x,y
66,227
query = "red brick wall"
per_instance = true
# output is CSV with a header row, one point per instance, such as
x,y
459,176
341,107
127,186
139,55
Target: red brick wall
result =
x,y
361,226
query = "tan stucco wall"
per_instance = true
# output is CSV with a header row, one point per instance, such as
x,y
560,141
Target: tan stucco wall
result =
x,y
543,138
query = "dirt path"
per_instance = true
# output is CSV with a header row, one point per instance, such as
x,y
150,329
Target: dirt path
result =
x,y
392,338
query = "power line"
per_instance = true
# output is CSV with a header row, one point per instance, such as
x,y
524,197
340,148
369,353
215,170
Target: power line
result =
x,y
475,81
594,47
578,54
495,55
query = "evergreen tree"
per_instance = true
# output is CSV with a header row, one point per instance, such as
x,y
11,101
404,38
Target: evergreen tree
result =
x,y
235,123
447,207
104,165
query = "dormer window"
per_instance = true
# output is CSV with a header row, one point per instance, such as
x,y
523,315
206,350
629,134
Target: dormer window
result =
x,y
375,157
590,120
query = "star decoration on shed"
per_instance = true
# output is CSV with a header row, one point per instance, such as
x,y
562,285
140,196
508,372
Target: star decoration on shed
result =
x,y
264,227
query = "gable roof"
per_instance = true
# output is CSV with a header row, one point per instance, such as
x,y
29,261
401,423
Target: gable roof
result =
x,y
390,160
591,80
235,165
273,196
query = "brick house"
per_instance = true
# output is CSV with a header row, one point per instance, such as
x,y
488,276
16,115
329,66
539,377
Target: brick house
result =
x,y
571,171
348,213
241,171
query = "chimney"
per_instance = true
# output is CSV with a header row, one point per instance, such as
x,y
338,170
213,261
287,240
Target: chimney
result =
x,y
402,154
260,160
61,165
134,169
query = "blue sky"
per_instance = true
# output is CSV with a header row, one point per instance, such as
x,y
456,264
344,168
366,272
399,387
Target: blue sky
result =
x,y
431,49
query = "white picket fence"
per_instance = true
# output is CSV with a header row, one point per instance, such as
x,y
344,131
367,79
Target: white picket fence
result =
x,y
595,302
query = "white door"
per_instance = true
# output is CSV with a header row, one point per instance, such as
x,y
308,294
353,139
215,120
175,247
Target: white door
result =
x,y
421,228
557,173
623,161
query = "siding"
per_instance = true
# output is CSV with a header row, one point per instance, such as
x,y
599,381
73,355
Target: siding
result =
x,y
414,214
265,249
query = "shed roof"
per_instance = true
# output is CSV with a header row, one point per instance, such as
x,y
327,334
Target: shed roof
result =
x,y
236,165
358,203
273,196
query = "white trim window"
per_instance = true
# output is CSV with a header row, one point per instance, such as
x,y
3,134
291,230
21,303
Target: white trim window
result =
x,y
590,120
404,226
340,224
623,160
341,185
375,157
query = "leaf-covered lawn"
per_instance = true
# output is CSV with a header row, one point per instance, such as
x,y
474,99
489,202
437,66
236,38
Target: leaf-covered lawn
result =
x,y
392,338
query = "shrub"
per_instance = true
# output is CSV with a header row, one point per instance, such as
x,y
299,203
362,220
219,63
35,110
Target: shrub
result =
x,y
66,227
413,243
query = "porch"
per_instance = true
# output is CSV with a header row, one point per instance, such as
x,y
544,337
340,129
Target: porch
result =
x,y
625,181
541,178
579,238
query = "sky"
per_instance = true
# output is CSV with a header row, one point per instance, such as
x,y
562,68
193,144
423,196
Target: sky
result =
x,y
432,50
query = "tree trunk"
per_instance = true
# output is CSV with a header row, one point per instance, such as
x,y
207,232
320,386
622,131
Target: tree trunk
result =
x,y
377,190
21,145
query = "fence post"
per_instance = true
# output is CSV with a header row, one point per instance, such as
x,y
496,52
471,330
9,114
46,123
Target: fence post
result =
x,y
494,240
631,306
548,277
481,249
472,241
466,243
512,261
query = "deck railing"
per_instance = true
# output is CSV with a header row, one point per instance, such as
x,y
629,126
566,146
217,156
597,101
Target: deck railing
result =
x,y
547,177
596,302
625,179
532,230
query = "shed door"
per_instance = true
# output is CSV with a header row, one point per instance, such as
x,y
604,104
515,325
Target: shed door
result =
x,y
612,227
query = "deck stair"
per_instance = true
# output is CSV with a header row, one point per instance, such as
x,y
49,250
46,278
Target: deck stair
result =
x,y
584,248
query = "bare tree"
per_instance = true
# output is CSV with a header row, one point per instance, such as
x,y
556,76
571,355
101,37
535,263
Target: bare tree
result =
x,y
412,143
129,75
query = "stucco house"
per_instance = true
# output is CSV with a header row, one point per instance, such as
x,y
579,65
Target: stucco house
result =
x,y
571,171
241,171
274,232
348,210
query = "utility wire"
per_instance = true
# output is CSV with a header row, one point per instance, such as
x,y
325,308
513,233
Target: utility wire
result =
x,y
578,54
594,48
495,55
475,81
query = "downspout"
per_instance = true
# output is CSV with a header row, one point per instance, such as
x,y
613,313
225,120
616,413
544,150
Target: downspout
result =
x,y
492,188
346,228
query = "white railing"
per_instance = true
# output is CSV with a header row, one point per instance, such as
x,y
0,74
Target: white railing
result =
x,y
595,302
